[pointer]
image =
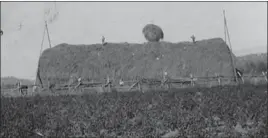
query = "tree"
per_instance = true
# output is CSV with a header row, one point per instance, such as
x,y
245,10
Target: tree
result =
x,y
256,67
261,66
250,66
152,33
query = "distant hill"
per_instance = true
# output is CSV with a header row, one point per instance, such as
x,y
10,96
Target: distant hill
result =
x,y
253,57
13,80
251,50
255,63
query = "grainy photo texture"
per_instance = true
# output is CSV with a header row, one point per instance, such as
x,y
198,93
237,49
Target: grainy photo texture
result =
x,y
134,69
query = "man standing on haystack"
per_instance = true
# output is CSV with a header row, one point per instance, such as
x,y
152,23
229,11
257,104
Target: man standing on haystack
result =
x,y
193,38
103,41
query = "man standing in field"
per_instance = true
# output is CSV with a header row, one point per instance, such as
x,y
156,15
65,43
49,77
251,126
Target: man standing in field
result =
x,y
193,38
121,83
22,88
79,80
265,75
34,87
239,74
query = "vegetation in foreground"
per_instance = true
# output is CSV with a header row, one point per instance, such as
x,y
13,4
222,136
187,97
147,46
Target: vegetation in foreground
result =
x,y
194,112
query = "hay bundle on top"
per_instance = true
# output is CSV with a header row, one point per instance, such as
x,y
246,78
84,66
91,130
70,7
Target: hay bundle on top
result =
x,y
152,33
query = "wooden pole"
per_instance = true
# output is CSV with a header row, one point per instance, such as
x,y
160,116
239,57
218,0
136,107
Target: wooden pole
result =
x,y
139,85
192,79
232,60
48,34
38,66
38,76
133,85
218,78
224,27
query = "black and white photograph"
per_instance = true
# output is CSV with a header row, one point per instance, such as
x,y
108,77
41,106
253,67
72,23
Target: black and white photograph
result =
x,y
134,69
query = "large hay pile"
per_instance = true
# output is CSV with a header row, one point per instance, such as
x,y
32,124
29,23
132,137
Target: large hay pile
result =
x,y
123,60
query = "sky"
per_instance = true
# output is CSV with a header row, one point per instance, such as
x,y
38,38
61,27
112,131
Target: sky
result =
x,y
86,22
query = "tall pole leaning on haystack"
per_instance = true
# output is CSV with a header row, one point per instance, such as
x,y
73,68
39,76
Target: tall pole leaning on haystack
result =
x,y
224,25
41,49
48,34
231,51
42,43
49,41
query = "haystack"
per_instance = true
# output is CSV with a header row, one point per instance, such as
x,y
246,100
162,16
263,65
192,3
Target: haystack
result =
x,y
127,61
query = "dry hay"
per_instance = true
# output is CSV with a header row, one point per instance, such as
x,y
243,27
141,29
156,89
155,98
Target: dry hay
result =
x,y
127,61
153,33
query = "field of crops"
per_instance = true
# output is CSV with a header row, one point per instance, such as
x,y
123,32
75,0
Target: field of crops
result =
x,y
229,111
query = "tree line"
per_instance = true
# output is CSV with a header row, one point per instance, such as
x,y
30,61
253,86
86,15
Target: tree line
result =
x,y
254,67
